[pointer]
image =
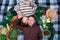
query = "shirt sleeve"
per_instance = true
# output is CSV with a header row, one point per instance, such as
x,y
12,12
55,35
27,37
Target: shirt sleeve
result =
x,y
16,25
34,6
17,8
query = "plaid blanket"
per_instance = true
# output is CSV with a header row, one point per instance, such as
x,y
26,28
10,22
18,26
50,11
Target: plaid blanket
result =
x,y
5,5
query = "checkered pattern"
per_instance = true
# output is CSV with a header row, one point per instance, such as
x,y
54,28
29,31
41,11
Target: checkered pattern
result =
x,y
5,5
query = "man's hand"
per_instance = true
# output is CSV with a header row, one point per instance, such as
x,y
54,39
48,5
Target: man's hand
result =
x,y
20,15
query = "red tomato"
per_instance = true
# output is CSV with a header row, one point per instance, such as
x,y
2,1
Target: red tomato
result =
x,y
46,33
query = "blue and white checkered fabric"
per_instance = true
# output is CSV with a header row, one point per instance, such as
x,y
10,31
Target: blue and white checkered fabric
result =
x,y
52,4
5,5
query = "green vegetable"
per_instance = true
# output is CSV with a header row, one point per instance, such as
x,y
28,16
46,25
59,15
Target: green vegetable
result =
x,y
9,15
2,37
7,19
14,33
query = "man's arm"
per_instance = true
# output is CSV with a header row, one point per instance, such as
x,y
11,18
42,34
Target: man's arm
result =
x,y
16,24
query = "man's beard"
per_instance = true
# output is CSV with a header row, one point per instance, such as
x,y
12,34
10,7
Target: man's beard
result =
x,y
25,25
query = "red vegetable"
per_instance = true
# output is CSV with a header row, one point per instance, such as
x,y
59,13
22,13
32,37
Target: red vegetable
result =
x,y
46,33
11,24
43,11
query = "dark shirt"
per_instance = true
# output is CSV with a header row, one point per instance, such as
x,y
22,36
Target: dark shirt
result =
x,y
30,33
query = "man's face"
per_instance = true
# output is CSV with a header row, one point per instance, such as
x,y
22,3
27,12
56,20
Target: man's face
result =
x,y
31,21
25,20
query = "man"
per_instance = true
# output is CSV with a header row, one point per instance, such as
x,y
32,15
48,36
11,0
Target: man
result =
x,y
30,29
